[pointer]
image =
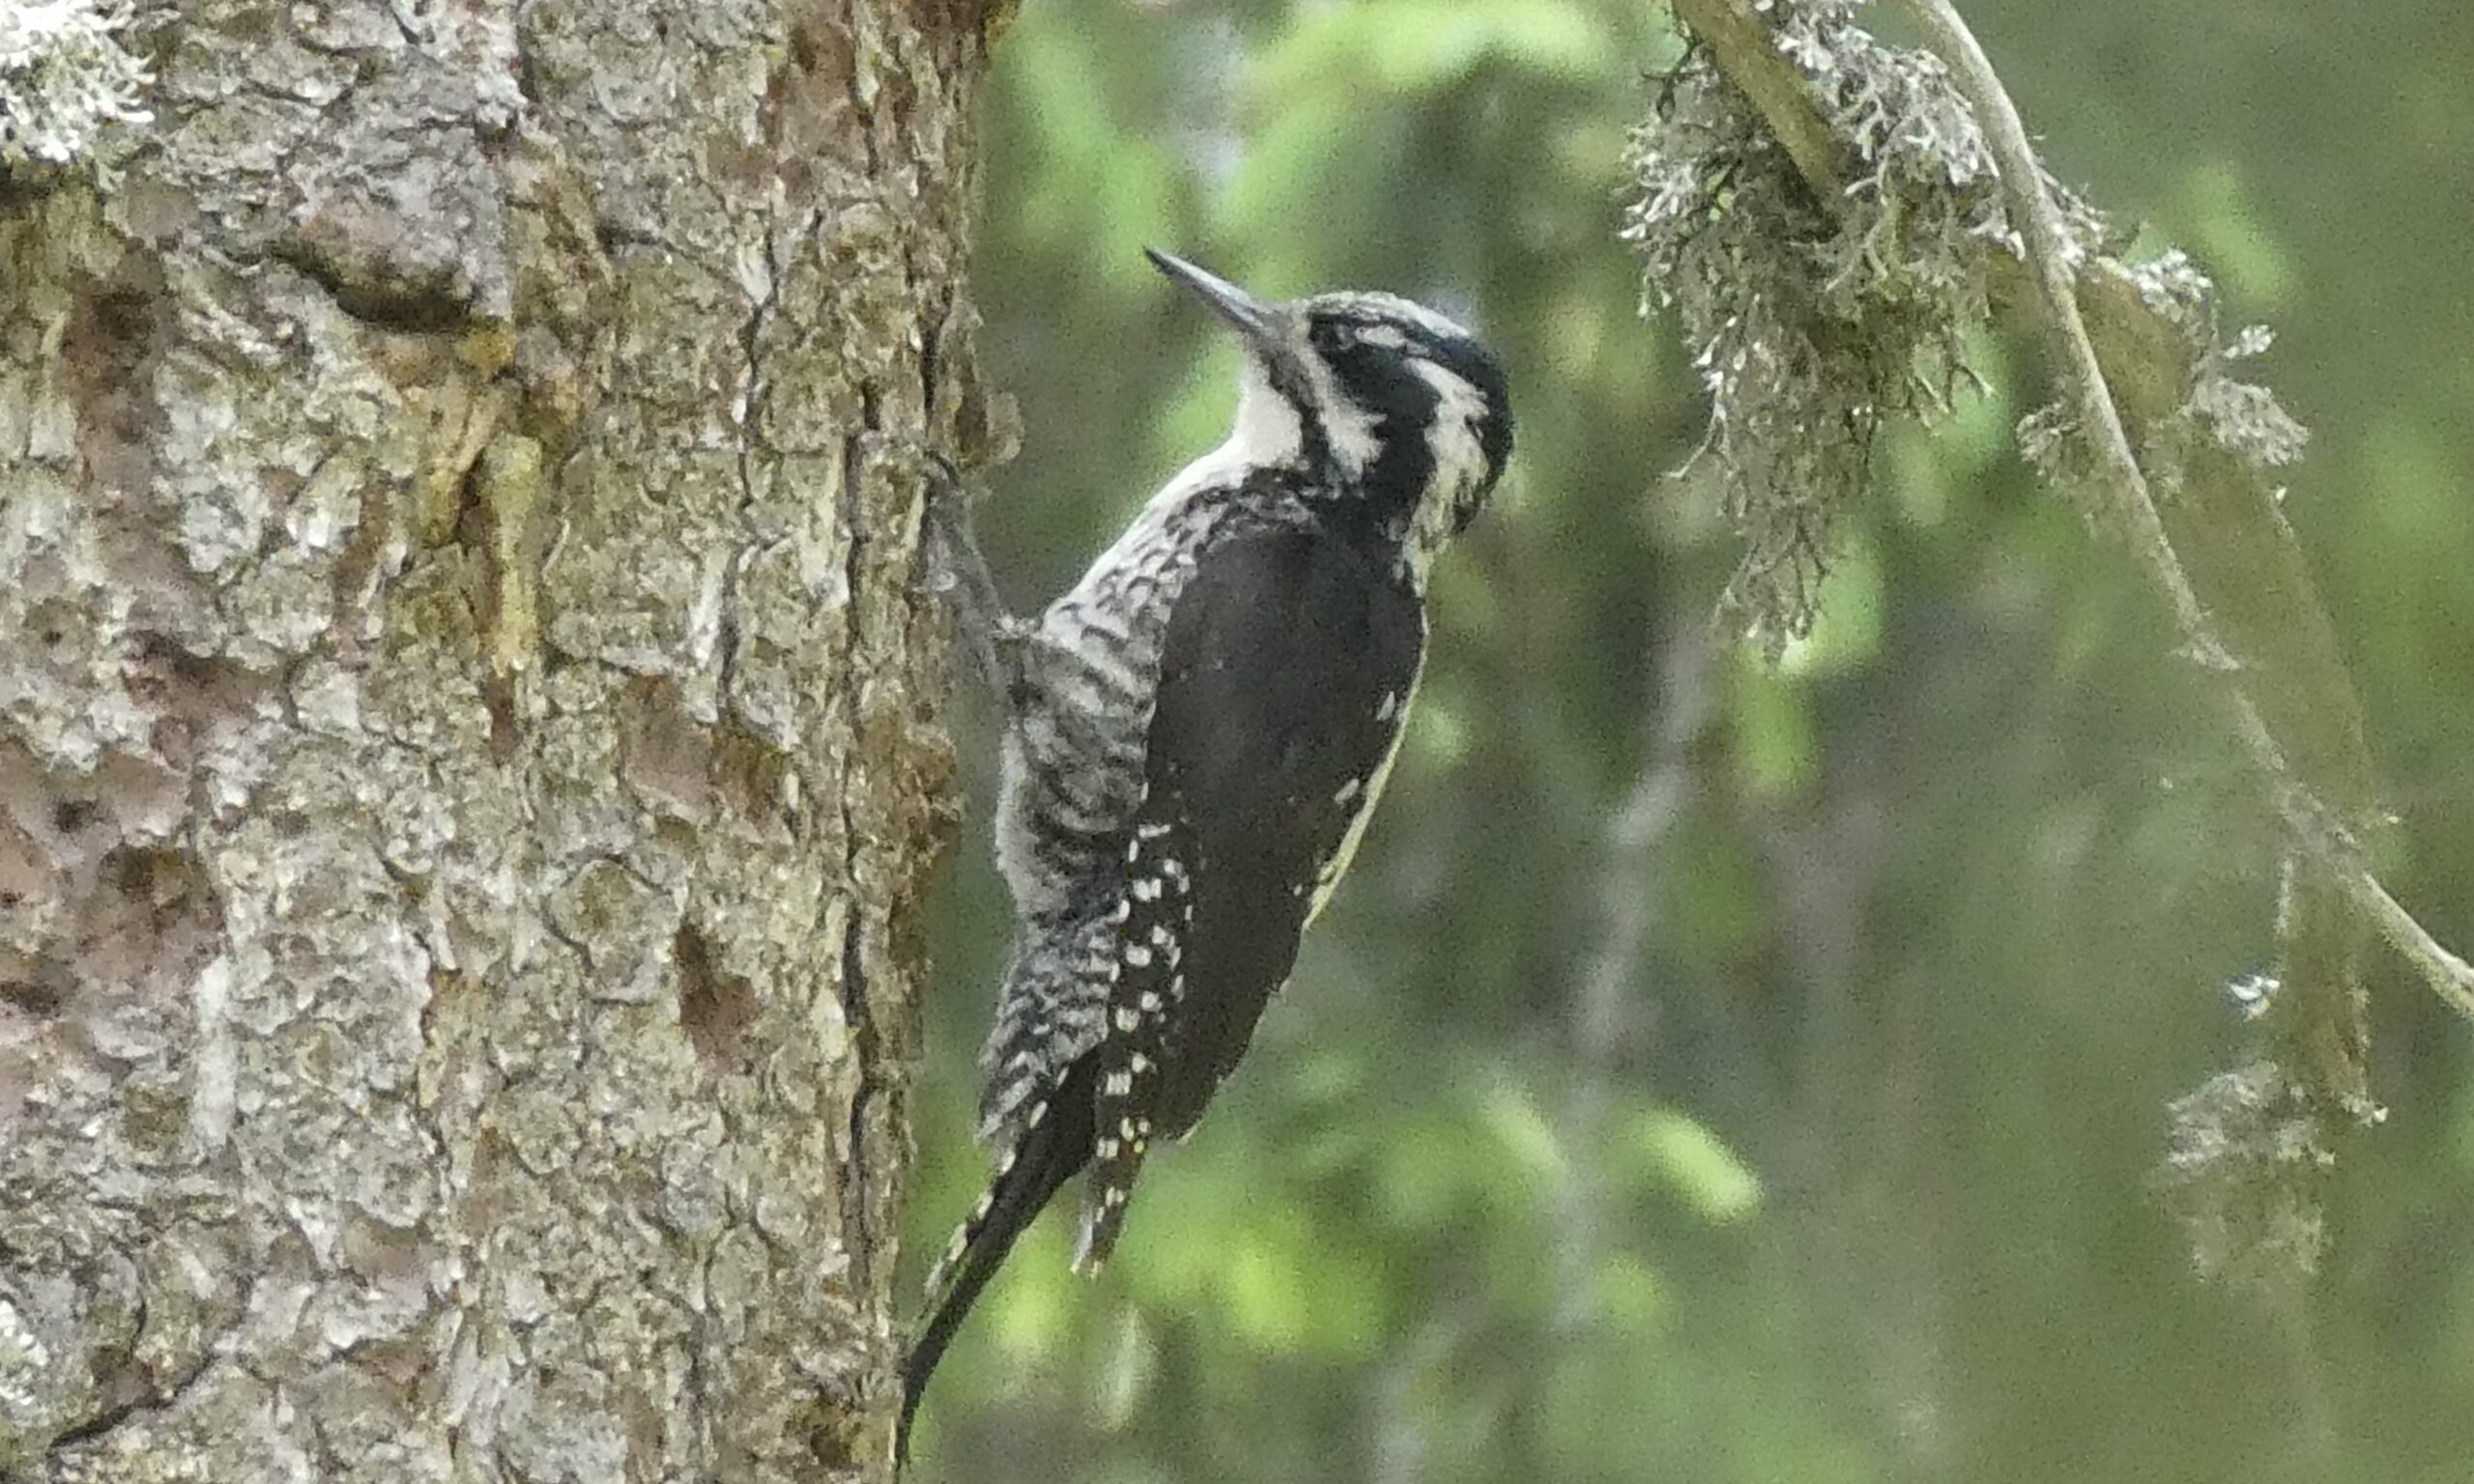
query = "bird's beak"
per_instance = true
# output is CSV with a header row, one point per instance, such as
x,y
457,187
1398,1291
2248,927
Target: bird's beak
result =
x,y
1252,318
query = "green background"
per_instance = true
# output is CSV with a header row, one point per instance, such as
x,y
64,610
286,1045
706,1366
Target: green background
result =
x,y
1712,1071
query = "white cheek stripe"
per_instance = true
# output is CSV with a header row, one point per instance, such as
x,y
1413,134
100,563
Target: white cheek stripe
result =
x,y
1348,427
1459,459
1267,430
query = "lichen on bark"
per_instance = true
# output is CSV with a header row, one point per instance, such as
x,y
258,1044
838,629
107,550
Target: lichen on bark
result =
x,y
470,740
66,81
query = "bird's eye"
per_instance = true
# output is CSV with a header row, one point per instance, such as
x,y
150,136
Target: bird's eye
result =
x,y
1331,337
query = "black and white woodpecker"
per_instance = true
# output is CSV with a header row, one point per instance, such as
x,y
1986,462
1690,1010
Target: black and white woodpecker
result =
x,y
1195,737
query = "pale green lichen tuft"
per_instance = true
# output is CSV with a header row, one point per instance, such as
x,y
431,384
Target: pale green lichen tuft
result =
x,y
1813,314
2246,417
1811,323
2245,1158
2218,409
64,79
24,1361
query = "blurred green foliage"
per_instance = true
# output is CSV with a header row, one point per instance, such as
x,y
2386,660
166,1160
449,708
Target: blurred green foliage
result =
x,y
1714,1071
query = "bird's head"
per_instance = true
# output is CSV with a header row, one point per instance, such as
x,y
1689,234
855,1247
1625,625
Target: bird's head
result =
x,y
1370,395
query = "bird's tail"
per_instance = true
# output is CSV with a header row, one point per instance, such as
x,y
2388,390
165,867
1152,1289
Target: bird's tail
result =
x,y
1053,1143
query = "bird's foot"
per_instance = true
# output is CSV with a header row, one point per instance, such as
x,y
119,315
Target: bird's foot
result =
x,y
958,573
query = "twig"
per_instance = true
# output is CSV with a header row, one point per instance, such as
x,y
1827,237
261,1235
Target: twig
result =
x,y
2317,830
1742,37
1609,985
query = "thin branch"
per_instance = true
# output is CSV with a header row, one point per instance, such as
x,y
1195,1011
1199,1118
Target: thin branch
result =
x,y
1739,39
1742,38
2145,350
2316,828
1609,985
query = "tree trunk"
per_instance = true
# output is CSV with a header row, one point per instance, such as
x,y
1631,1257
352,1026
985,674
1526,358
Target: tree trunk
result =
x,y
471,739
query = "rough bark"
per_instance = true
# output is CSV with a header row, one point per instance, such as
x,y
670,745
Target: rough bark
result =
x,y
470,739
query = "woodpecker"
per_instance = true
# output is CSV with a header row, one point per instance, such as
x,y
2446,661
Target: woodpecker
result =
x,y
1195,735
